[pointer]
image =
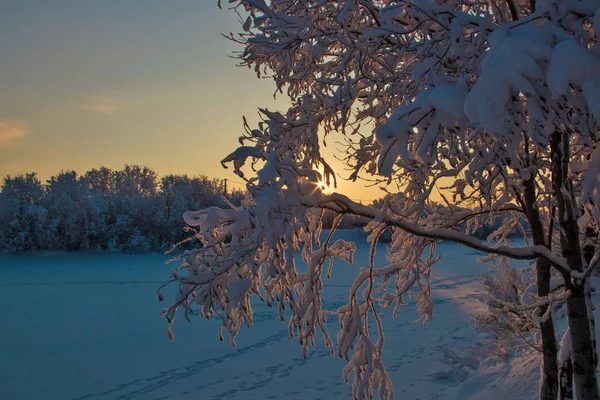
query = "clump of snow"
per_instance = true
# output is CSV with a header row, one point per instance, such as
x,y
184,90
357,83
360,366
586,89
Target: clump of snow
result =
x,y
572,64
511,65
591,91
421,119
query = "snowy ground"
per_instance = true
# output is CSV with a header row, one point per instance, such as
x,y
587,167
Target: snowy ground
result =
x,y
87,326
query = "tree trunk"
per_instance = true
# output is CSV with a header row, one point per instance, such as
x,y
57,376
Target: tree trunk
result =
x,y
584,368
582,337
590,305
565,368
549,366
549,384
566,380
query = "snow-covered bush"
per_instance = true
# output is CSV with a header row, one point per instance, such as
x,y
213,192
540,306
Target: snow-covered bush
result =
x,y
509,326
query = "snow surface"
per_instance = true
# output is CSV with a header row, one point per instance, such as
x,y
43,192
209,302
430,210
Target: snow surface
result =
x,y
87,326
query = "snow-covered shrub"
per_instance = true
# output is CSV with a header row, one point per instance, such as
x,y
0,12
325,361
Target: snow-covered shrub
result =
x,y
136,243
509,327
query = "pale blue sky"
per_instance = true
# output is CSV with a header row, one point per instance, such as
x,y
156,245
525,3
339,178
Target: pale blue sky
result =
x,y
85,83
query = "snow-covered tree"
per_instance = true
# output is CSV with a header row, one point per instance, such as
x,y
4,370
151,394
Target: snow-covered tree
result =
x,y
480,109
22,219
68,211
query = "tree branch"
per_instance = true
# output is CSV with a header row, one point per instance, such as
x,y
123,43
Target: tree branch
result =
x,y
340,203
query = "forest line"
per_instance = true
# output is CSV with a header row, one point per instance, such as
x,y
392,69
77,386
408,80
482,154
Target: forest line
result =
x,y
130,210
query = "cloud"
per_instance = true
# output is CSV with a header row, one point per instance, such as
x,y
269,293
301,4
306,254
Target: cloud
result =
x,y
103,105
11,131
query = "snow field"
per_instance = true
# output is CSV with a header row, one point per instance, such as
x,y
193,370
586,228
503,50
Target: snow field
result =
x,y
86,326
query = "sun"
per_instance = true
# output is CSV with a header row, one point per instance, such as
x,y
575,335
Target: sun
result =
x,y
324,187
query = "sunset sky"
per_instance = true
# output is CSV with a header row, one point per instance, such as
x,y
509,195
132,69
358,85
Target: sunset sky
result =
x,y
90,83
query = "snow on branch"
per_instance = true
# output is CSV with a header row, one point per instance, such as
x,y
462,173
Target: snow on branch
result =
x,y
341,203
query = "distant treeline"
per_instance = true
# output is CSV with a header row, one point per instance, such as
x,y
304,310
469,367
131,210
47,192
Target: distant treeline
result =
x,y
128,210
